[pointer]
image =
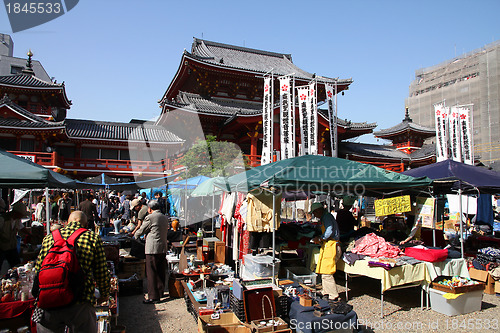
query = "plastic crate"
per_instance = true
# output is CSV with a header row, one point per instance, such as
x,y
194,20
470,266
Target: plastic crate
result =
x,y
260,266
301,275
465,303
237,306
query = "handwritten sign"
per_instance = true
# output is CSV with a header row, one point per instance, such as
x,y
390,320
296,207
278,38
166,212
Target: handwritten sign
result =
x,y
425,211
394,205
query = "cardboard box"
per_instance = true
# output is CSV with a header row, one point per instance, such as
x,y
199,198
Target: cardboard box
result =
x,y
497,287
220,252
465,303
485,277
455,290
129,268
259,326
226,323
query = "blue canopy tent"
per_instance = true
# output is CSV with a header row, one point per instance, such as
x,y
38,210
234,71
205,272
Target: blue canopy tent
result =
x,y
450,176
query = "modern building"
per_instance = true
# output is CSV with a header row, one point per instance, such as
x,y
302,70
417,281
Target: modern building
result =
x,y
472,79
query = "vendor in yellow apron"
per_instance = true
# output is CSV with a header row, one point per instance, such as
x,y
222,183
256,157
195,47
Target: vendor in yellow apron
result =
x,y
329,253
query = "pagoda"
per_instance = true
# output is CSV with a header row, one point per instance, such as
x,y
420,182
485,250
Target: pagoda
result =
x,y
33,124
407,148
218,90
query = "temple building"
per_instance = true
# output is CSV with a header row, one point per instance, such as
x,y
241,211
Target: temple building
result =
x,y
33,124
218,90
408,148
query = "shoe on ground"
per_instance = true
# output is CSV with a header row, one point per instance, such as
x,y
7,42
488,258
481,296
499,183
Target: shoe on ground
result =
x,y
151,301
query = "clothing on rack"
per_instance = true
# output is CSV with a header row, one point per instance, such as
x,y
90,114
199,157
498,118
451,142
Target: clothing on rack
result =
x,y
260,212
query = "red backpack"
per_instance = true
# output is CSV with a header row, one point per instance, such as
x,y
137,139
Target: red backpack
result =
x,y
60,279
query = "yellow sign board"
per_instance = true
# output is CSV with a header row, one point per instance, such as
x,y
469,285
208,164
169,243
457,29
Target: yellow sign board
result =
x,y
394,205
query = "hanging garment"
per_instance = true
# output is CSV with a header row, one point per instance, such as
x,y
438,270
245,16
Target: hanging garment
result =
x,y
260,212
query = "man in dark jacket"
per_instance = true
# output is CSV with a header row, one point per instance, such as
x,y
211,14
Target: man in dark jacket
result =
x,y
90,210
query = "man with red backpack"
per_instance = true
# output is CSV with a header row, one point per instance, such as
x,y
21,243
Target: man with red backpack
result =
x,y
78,313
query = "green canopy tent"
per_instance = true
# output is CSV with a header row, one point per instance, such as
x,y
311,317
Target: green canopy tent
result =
x,y
20,173
311,173
321,173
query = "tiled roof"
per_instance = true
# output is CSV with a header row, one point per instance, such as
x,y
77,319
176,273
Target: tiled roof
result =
x,y
29,124
231,107
347,123
215,105
385,151
25,80
405,126
372,150
6,101
91,129
424,152
244,58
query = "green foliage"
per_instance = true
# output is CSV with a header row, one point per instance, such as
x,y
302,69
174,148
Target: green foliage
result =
x,y
213,158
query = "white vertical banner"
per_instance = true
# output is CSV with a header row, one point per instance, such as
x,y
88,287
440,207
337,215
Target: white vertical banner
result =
x,y
330,92
441,117
303,98
465,137
286,122
267,123
313,120
454,131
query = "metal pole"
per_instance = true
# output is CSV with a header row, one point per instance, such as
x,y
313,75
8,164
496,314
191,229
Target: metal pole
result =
x,y
461,214
334,129
185,201
47,209
274,231
212,212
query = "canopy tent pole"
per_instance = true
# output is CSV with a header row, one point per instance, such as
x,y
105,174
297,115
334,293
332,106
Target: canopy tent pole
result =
x,y
434,223
461,216
274,233
185,203
30,204
47,209
212,212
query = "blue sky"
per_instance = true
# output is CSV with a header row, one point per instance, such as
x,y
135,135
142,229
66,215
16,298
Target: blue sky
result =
x,y
117,58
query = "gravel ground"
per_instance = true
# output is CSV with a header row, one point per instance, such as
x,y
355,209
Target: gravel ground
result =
x,y
401,309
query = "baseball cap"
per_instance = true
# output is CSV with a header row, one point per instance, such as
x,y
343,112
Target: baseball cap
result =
x,y
134,203
315,206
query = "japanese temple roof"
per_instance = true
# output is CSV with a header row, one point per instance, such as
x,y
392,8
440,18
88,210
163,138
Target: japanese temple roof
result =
x,y
95,130
243,58
215,105
26,124
6,101
347,123
407,125
385,152
28,81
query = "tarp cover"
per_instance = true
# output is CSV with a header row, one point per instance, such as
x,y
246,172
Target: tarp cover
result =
x,y
18,172
451,171
322,173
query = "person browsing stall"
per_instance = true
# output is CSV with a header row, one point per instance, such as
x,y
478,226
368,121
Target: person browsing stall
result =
x,y
329,252
155,229
80,316
141,209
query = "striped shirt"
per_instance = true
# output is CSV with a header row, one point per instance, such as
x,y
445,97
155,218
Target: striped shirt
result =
x,y
90,254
